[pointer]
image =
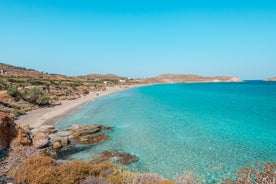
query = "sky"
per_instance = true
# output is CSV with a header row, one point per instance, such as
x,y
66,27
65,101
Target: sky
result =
x,y
141,38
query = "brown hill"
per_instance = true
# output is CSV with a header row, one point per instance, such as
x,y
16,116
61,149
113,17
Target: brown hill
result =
x,y
182,78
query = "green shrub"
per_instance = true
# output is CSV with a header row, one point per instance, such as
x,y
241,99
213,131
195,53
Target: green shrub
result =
x,y
35,96
37,82
75,84
14,92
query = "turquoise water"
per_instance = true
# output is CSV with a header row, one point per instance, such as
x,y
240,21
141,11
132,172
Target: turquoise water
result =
x,y
208,128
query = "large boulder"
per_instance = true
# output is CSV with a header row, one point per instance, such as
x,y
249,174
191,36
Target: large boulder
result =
x,y
41,141
8,130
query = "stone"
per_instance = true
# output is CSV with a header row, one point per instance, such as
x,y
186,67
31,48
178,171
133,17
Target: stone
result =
x,y
57,145
40,141
26,127
47,129
65,141
8,130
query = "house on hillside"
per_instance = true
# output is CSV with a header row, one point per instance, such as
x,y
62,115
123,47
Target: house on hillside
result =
x,y
3,72
122,81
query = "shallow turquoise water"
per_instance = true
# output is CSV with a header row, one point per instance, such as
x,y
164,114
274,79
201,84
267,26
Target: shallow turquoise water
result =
x,y
209,128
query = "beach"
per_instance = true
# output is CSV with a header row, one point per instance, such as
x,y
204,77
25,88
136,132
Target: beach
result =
x,y
52,115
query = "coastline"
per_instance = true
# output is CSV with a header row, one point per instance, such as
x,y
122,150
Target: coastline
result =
x,y
52,115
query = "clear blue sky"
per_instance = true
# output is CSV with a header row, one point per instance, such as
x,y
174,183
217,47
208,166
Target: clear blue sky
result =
x,y
141,38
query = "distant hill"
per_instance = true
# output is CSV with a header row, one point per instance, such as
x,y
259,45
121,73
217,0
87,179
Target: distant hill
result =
x,y
102,77
21,72
182,78
271,79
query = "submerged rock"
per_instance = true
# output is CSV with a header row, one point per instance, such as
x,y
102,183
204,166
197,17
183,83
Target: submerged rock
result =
x,y
89,134
91,139
120,157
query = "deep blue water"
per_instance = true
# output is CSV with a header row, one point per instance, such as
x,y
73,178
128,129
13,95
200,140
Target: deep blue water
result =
x,y
209,128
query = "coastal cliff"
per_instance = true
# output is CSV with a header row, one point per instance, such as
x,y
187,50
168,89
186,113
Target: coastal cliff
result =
x,y
8,130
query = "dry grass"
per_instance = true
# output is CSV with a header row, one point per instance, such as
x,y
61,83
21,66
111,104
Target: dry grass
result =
x,y
34,170
73,172
44,170
260,174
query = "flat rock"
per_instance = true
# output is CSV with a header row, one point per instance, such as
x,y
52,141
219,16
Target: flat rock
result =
x,y
62,133
47,129
82,130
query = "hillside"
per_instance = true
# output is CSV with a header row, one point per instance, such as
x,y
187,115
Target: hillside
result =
x,y
21,72
22,89
182,78
102,77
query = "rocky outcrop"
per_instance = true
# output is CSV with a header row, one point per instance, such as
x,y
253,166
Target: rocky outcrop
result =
x,y
89,134
8,130
23,137
82,130
48,137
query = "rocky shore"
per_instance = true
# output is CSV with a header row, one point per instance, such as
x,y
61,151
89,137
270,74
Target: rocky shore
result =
x,y
28,142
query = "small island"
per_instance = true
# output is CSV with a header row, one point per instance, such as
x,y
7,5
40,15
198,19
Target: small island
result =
x,y
271,79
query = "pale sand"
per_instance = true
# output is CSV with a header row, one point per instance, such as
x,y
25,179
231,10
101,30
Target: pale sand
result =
x,y
53,115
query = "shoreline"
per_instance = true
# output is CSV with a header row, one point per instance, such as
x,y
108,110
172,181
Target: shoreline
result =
x,y
52,115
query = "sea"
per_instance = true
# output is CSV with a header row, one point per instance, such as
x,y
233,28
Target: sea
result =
x,y
209,129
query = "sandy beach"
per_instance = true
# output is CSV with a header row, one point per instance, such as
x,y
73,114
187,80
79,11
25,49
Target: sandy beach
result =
x,y
52,115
